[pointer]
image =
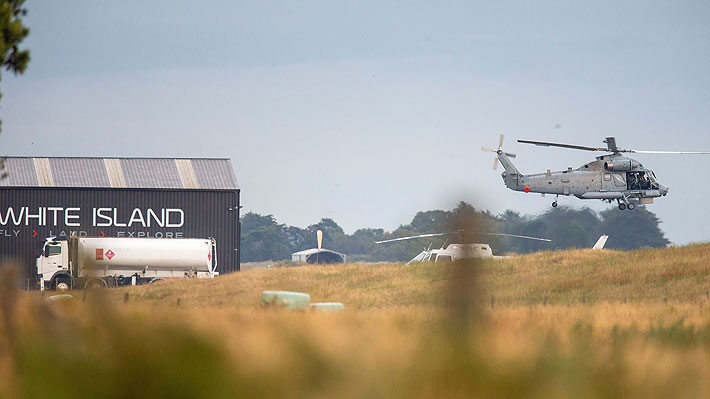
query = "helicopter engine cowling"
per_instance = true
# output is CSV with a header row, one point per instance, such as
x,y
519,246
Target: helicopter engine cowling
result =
x,y
621,164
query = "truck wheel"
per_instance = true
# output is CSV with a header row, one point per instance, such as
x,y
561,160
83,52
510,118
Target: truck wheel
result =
x,y
61,285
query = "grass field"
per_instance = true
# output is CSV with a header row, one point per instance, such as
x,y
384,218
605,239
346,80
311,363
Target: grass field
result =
x,y
576,323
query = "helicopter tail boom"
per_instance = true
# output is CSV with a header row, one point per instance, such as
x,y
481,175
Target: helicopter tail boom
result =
x,y
511,176
507,163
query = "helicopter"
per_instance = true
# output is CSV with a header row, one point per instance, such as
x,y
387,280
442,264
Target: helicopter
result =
x,y
611,177
453,252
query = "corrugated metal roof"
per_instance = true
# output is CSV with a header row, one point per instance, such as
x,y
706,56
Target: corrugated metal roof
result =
x,y
161,173
78,172
23,173
155,173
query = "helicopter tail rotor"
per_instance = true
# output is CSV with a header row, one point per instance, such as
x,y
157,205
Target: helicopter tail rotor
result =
x,y
497,151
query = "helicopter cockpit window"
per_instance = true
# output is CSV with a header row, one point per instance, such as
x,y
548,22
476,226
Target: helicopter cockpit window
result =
x,y
443,258
641,181
652,180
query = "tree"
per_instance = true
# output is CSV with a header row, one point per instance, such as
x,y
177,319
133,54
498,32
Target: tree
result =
x,y
362,241
632,229
429,222
266,239
12,32
263,238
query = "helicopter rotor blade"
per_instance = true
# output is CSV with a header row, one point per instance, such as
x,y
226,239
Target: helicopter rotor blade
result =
x,y
487,149
461,232
575,147
519,236
495,163
411,237
500,142
611,147
666,152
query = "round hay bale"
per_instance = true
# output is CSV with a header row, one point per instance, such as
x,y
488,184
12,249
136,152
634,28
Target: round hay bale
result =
x,y
285,299
327,306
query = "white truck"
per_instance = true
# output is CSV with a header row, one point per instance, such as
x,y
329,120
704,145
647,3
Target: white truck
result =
x,y
84,262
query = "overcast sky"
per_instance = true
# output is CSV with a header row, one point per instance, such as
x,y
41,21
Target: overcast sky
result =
x,y
367,112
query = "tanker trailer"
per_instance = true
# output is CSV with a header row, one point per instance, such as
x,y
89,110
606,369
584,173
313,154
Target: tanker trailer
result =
x,y
82,262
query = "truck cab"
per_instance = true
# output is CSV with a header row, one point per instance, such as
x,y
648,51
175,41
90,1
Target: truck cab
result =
x,y
53,265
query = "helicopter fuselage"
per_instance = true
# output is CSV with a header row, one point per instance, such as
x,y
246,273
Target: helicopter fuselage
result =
x,y
609,177
455,252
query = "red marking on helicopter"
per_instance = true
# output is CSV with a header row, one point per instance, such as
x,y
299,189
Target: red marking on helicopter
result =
x,y
526,189
34,233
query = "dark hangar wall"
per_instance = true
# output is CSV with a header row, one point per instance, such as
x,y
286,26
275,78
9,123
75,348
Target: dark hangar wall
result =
x,y
41,212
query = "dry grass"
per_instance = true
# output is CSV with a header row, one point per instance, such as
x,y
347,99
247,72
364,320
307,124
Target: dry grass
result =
x,y
563,277
551,324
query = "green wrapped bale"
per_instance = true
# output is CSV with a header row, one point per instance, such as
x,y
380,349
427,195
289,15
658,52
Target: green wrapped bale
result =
x,y
285,299
327,306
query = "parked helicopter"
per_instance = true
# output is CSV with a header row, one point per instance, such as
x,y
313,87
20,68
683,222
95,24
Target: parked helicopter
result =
x,y
454,251
610,177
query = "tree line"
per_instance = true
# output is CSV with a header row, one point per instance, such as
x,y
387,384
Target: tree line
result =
x,y
264,238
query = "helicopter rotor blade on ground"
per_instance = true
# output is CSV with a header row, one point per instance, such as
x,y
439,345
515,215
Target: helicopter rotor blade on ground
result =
x,y
519,236
460,232
412,237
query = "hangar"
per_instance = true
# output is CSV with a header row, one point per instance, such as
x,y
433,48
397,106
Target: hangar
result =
x,y
316,255
118,197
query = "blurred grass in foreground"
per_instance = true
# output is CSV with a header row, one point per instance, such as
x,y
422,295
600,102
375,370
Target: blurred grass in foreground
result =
x,y
430,330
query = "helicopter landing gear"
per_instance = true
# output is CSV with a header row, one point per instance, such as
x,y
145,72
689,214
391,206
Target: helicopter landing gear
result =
x,y
626,204
554,203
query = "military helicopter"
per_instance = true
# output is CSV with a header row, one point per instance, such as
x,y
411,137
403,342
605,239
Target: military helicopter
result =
x,y
611,177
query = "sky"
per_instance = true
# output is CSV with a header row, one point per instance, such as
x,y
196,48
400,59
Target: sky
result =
x,y
367,112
